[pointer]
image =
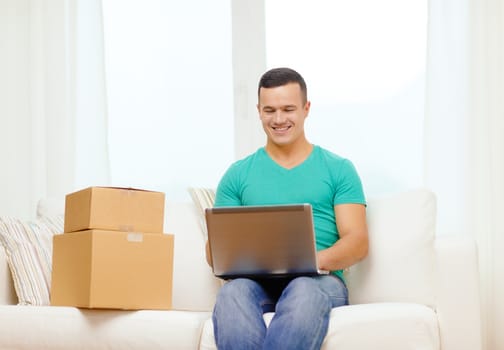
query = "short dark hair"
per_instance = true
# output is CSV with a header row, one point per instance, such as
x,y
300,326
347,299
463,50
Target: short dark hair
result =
x,y
281,76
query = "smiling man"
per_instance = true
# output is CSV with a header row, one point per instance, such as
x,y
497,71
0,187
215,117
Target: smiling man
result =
x,y
287,170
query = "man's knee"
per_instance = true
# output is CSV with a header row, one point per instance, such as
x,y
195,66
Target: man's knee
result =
x,y
302,285
305,290
237,288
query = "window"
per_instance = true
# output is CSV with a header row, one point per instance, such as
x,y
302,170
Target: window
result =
x,y
170,97
170,86
364,63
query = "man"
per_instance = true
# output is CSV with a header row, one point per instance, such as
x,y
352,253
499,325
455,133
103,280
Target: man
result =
x,y
289,169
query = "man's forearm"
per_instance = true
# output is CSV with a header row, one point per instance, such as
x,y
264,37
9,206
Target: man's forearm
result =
x,y
344,253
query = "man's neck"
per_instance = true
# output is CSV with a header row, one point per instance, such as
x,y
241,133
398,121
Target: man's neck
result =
x,y
289,156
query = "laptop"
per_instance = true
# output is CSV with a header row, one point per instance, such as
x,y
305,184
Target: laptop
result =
x,y
262,241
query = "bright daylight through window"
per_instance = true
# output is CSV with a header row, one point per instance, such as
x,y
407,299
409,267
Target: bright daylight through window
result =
x,y
170,94
170,98
364,62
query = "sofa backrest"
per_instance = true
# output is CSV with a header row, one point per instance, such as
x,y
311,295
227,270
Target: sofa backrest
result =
x,y
401,264
194,285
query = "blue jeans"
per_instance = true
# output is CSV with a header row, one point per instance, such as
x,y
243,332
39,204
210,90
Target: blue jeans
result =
x,y
302,307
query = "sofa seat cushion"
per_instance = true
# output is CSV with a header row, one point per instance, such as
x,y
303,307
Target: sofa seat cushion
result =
x,y
391,326
52,327
394,326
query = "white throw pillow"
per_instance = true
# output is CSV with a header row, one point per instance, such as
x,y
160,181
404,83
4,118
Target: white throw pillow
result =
x,y
202,198
28,246
400,266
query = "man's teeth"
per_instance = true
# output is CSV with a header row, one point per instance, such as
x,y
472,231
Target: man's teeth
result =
x,y
281,129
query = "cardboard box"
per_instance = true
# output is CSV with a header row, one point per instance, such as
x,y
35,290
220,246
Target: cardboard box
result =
x,y
112,270
111,208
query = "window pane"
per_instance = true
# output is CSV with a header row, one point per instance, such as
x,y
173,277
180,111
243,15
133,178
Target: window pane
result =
x,y
170,98
364,63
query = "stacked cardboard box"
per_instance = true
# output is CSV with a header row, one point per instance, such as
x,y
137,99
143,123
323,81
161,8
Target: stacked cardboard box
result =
x,y
113,253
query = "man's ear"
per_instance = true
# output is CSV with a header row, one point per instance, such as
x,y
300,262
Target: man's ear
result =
x,y
307,108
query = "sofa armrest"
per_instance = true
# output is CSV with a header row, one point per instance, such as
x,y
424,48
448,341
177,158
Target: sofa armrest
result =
x,y
7,293
458,299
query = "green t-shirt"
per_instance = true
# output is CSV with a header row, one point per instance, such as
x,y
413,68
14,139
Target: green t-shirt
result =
x,y
323,180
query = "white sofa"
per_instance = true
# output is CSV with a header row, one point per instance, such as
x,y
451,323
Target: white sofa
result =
x,y
412,292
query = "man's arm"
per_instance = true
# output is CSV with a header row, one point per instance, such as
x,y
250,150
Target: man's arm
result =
x,y
353,243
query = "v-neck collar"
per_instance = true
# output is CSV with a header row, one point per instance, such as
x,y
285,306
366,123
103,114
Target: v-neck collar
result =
x,y
307,159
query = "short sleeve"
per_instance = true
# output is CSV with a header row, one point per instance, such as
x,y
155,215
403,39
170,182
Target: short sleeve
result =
x,y
348,188
228,190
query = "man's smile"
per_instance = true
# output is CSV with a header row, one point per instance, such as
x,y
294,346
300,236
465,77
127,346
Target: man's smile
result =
x,y
281,128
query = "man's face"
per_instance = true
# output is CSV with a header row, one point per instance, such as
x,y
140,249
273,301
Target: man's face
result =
x,y
283,112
